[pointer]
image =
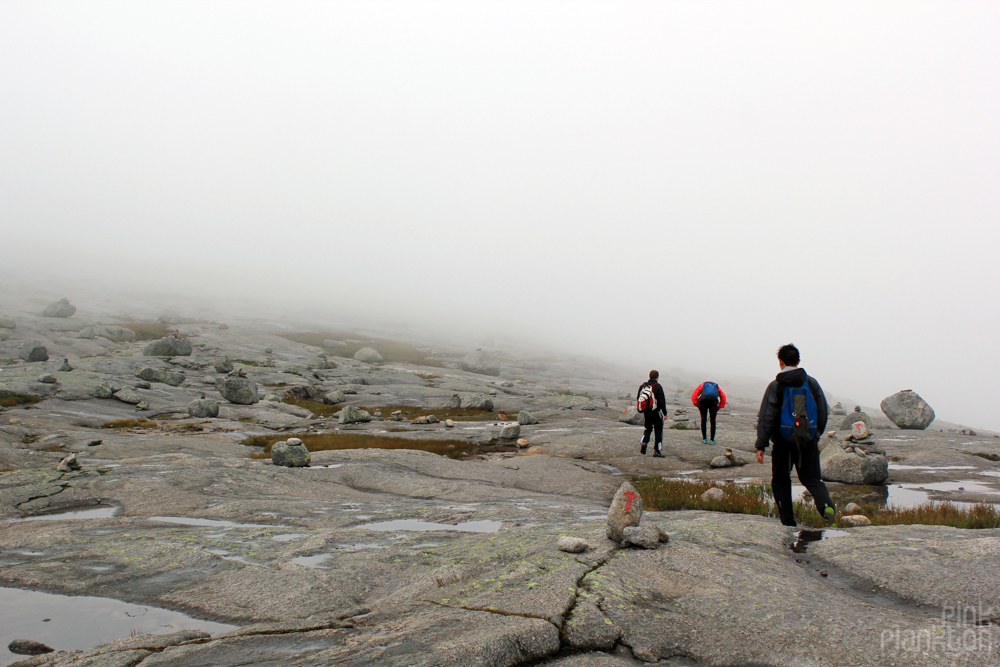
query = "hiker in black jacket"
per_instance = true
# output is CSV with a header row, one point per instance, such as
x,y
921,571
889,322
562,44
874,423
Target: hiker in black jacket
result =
x,y
654,415
804,456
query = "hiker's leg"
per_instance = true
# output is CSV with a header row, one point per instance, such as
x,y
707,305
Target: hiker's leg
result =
x,y
810,475
781,483
649,427
658,432
713,411
703,409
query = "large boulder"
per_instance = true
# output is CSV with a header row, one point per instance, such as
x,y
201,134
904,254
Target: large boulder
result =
x,y
480,402
61,308
906,409
525,418
223,364
856,416
7,322
171,346
203,407
853,462
238,388
291,453
632,416
482,362
625,510
505,431
368,355
353,415
33,350
150,374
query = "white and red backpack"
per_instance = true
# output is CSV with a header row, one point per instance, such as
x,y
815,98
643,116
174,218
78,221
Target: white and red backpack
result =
x,y
646,398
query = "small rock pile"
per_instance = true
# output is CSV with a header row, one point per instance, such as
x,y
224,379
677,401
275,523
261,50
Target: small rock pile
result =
x,y
857,459
624,518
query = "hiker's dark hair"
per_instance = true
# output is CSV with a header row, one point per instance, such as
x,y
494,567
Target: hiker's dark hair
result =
x,y
654,374
789,354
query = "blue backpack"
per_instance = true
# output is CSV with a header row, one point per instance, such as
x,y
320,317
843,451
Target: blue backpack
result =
x,y
798,415
709,390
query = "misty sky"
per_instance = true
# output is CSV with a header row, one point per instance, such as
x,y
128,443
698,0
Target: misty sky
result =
x,y
669,183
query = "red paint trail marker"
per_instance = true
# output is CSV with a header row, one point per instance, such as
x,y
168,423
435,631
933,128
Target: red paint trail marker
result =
x,y
630,497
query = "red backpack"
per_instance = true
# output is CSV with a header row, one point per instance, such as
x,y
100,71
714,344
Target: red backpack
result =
x,y
646,398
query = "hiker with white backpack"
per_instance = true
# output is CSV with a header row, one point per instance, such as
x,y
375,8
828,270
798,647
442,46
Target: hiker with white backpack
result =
x,y
651,402
709,398
792,417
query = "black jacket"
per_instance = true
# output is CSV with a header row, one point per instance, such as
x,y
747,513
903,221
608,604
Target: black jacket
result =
x,y
661,402
769,417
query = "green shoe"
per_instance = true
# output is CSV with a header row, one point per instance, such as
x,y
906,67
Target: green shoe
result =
x,y
711,442
830,515
704,441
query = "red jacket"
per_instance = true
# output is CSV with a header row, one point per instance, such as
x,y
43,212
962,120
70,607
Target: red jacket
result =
x,y
697,394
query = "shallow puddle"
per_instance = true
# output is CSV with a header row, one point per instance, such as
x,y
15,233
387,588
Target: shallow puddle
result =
x,y
82,622
901,466
92,512
316,560
214,523
484,526
805,537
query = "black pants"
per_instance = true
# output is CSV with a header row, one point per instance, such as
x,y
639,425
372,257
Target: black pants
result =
x,y
709,407
806,462
654,423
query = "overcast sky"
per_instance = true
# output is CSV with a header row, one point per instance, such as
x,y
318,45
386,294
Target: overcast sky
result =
x,y
669,183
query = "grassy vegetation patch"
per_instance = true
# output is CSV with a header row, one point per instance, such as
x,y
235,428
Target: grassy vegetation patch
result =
x,y
13,400
456,414
53,448
315,407
988,457
317,442
129,423
390,350
194,428
660,494
275,384
6,470
247,362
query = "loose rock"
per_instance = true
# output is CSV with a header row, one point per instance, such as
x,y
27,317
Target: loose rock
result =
x,y
522,443
202,408
853,508
454,402
720,462
907,410
625,511
171,346
223,365
481,362
162,375
865,466
353,415
32,351
28,647
449,423
126,395
65,368
855,520
69,464
48,378
506,432
632,416
61,308
857,415
291,453
838,410
573,545
714,494
238,388
647,537
368,355
525,418
480,402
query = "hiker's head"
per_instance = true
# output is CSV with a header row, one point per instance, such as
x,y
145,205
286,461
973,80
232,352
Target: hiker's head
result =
x,y
788,355
654,374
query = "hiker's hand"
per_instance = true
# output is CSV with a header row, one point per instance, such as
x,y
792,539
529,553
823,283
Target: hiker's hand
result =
x,y
760,456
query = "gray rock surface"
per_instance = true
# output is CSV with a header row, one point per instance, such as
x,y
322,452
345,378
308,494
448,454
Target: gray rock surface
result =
x,y
368,355
202,408
32,351
47,378
126,395
720,462
481,362
108,331
7,322
479,402
170,317
625,511
237,388
61,308
907,410
632,416
290,454
161,375
171,346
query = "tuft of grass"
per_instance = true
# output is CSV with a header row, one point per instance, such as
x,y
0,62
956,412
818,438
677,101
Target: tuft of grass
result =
x,y
456,414
664,495
248,420
246,362
6,470
275,384
988,457
190,427
316,442
315,407
427,376
391,351
53,448
142,422
13,400
28,438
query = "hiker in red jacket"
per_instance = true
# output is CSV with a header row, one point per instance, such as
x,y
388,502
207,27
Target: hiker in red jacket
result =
x,y
709,398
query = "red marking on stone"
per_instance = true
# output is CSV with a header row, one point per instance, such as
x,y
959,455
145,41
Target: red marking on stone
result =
x,y
628,503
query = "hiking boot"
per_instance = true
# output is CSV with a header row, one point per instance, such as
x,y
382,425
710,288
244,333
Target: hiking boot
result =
x,y
830,516
657,454
704,441
642,450
711,442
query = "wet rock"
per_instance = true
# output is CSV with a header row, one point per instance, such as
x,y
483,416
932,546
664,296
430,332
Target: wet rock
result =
x,y
838,410
481,362
161,375
573,545
454,402
714,494
223,364
65,368
907,410
61,308
854,520
28,647
32,351
625,511
69,464
632,416
857,415
480,402
126,395
353,415
720,462
202,408
647,537
853,467
291,453
525,418
238,388
171,346
368,355
7,322
47,378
